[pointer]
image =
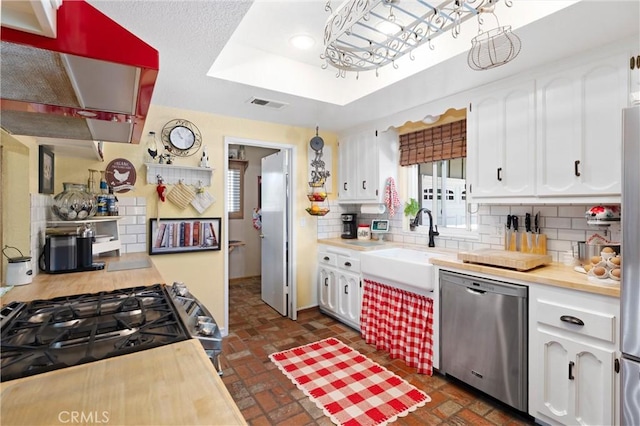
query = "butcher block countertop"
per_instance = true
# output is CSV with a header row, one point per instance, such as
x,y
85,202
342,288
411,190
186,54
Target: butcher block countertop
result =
x,y
47,286
554,274
168,385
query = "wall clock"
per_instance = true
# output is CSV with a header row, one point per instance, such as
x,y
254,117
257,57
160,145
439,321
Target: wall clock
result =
x,y
181,137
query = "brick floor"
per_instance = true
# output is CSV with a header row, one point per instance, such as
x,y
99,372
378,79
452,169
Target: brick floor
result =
x,y
266,397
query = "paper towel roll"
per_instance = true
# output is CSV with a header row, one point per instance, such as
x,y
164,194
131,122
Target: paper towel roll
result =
x,y
373,208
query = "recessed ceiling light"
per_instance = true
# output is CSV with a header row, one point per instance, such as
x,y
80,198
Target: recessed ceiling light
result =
x,y
302,41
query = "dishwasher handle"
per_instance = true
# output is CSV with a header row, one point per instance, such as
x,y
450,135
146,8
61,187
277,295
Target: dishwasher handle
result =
x,y
475,291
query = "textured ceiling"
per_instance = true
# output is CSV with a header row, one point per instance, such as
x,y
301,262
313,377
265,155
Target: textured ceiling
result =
x,y
191,34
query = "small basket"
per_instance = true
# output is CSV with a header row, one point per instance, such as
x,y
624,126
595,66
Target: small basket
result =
x,y
320,212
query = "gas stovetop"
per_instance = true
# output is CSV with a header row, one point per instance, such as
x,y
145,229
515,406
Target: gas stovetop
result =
x,y
45,335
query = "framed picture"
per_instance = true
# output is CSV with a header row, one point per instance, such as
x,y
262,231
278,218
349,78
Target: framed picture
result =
x,y
182,235
233,153
45,171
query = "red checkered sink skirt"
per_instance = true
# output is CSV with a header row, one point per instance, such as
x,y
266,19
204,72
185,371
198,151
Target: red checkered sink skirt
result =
x,y
399,322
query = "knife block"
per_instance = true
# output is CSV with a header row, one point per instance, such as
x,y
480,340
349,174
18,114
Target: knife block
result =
x,y
541,248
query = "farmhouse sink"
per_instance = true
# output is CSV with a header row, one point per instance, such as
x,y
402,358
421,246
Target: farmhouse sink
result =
x,y
400,267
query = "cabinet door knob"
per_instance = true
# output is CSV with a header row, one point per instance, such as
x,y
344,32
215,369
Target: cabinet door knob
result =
x,y
576,167
500,174
347,264
571,365
572,320
326,258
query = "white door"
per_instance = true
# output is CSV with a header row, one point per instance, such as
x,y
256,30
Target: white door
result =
x,y
275,285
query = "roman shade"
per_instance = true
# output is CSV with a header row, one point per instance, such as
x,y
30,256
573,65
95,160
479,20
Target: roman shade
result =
x,y
444,142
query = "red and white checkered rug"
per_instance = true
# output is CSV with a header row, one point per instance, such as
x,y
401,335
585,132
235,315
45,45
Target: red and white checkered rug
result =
x,y
349,387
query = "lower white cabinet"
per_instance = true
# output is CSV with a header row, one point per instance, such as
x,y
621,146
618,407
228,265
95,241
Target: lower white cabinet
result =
x,y
340,284
573,346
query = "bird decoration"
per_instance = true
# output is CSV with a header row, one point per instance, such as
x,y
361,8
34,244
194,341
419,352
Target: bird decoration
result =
x,y
119,176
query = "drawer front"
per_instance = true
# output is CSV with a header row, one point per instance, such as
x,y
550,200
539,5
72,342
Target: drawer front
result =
x,y
588,323
349,264
329,259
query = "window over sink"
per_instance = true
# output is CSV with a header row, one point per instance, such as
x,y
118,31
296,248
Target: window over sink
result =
x,y
435,158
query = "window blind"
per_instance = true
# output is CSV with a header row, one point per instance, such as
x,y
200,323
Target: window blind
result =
x,y
234,192
444,142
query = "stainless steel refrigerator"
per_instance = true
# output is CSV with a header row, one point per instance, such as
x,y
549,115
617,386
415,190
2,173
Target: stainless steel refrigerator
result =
x,y
630,296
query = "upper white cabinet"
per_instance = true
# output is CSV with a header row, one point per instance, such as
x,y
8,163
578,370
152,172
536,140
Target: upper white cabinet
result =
x,y
501,126
366,160
579,128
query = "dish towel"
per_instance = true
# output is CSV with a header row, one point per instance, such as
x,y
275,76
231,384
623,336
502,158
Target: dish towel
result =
x,y
391,199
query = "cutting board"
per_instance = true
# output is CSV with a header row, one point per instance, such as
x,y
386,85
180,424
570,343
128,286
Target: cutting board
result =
x,y
506,259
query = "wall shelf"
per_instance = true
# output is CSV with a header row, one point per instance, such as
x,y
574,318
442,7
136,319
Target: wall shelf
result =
x,y
103,225
172,174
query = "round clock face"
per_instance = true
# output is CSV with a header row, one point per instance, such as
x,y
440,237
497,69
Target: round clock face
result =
x,y
182,137
316,143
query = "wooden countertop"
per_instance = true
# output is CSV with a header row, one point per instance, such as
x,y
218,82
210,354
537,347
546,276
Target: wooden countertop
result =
x,y
47,286
555,274
174,384
169,385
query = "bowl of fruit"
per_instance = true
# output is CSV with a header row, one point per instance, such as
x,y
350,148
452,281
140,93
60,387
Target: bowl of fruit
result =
x,y
317,196
317,210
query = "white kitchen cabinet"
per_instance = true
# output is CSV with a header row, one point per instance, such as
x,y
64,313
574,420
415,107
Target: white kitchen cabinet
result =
x,y
340,284
501,127
366,160
579,129
573,345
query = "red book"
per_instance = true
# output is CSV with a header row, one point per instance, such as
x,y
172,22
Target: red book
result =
x,y
196,233
188,238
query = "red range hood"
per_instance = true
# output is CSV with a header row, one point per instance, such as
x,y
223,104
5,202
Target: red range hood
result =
x,y
94,81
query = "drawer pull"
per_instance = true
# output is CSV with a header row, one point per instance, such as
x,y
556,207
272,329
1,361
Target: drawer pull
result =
x,y
572,320
346,289
571,365
348,264
326,258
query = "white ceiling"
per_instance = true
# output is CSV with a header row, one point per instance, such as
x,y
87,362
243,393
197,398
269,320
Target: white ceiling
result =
x,y
197,37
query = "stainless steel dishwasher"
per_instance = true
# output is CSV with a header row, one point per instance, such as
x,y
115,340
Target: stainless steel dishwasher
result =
x,y
483,337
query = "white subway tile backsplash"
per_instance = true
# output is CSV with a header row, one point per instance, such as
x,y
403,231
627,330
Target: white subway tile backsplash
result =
x,y
128,239
126,201
135,229
557,222
546,211
142,238
136,248
500,210
521,211
134,211
128,220
572,211
571,235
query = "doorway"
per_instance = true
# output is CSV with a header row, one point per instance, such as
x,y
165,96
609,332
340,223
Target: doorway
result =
x,y
254,150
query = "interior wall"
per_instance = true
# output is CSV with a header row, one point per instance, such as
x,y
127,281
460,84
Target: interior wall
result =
x,y
202,272
245,261
15,169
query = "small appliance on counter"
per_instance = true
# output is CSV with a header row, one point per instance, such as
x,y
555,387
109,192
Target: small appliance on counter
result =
x,y
379,227
349,226
19,268
68,253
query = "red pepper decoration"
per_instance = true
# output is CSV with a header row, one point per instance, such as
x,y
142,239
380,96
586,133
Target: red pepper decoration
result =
x,y
161,189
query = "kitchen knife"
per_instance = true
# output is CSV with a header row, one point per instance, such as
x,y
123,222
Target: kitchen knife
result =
x,y
527,228
507,238
514,222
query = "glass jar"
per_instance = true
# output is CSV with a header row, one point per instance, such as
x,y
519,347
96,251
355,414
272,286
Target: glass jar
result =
x,y
74,203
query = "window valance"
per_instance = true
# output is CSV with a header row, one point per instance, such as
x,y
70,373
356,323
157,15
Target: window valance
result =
x,y
444,142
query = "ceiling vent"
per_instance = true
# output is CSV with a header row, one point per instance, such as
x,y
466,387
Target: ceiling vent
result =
x,y
267,103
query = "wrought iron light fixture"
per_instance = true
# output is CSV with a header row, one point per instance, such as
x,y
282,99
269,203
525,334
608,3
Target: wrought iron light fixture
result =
x,y
365,35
